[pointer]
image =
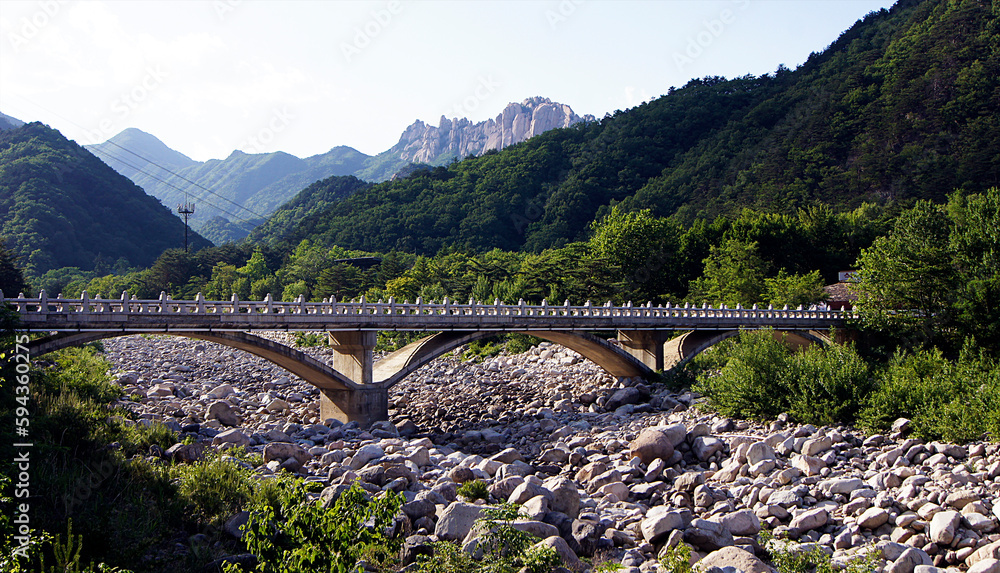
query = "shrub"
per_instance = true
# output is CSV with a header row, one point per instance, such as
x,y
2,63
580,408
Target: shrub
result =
x,y
480,350
956,401
746,385
310,339
291,534
475,489
213,488
761,378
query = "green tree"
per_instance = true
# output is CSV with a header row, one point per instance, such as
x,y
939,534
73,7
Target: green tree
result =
x,y
906,281
975,243
644,247
794,290
12,281
734,274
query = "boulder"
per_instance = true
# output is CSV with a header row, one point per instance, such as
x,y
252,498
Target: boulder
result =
x,y
565,495
873,517
708,535
944,526
810,519
457,520
222,411
659,522
908,561
706,446
364,455
742,523
651,444
568,557
232,436
282,451
622,397
986,566
731,556
758,452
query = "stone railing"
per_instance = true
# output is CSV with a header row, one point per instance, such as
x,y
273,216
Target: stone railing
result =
x,y
64,312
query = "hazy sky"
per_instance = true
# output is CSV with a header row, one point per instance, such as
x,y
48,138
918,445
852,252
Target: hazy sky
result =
x,y
208,77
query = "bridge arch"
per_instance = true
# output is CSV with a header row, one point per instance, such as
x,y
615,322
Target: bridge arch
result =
x,y
680,350
396,366
295,361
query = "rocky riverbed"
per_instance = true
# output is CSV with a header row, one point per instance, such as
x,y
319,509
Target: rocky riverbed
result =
x,y
607,470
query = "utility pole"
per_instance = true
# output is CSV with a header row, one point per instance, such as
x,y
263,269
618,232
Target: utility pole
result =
x,y
186,209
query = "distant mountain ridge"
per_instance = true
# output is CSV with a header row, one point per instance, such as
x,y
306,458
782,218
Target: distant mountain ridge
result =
x,y
8,122
236,193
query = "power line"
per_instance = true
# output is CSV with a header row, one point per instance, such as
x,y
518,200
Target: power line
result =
x,y
251,211
237,220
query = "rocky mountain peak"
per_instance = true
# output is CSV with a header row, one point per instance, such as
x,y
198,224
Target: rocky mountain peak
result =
x,y
459,137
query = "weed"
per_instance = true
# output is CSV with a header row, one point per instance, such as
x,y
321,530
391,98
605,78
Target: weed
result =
x,y
475,489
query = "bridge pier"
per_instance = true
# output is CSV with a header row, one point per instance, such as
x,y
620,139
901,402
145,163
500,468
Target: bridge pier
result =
x,y
645,345
353,356
362,405
354,353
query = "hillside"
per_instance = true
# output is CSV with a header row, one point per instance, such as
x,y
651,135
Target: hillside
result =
x,y
902,106
309,203
62,207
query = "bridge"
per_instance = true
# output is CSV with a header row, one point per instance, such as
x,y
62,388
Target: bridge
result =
x,y
355,387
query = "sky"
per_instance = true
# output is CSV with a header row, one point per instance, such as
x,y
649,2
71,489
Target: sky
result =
x,y
210,77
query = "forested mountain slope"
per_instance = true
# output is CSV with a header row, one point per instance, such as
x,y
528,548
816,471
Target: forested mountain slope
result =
x,y
60,206
902,106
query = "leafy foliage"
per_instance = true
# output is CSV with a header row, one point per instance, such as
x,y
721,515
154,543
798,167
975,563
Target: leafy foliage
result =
x,y
761,378
935,278
291,534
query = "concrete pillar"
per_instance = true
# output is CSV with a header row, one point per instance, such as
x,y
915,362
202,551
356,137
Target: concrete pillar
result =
x,y
353,357
645,345
353,354
364,406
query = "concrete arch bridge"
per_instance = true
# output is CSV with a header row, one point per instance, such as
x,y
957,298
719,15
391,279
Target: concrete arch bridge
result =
x,y
354,387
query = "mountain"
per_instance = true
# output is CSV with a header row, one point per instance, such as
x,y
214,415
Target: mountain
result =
x,y
903,105
458,138
60,206
241,189
234,194
133,151
8,122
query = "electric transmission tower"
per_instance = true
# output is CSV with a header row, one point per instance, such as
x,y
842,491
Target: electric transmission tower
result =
x,y
186,209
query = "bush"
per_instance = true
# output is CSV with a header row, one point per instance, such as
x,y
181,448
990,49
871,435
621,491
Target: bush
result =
x,y
746,385
289,533
213,488
956,401
475,489
504,548
761,378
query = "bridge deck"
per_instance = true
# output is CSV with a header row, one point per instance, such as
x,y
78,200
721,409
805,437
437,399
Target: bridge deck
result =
x,y
166,315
